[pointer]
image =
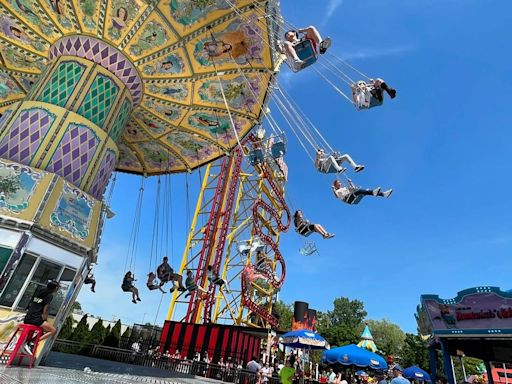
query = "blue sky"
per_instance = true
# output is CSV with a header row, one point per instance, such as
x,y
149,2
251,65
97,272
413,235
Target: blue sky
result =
x,y
443,145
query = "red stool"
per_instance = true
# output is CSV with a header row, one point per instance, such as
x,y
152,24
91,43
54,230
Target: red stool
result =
x,y
27,333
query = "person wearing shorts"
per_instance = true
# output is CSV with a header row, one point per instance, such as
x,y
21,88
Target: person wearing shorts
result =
x,y
37,313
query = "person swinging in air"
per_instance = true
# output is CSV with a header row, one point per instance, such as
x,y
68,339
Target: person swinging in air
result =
x,y
165,273
352,194
332,163
292,38
192,286
305,228
128,286
368,95
151,284
214,278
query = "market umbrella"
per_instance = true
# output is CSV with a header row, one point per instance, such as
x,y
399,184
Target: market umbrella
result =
x,y
416,373
303,338
354,355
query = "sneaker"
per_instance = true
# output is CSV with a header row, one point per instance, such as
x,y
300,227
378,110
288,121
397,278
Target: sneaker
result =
x,y
358,168
182,289
27,349
138,299
134,301
376,191
298,65
329,236
93,291
391,93
342,170
172,289
387,193
324,45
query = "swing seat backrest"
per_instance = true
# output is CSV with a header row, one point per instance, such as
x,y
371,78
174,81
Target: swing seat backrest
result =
x,y
256,157
306,52
278,150
308,250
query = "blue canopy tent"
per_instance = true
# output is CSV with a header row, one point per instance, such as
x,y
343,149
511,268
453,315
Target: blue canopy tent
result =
x,y
303,338
354,355
416,373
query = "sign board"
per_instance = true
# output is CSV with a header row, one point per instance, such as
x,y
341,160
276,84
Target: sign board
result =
x,y
477,311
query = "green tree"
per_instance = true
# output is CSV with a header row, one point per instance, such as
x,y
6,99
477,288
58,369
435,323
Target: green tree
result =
x,y
388,337
97,333
67,329
81,332
76,306
342,325
414,351
9,185
470,365
284,313
113,338
126,333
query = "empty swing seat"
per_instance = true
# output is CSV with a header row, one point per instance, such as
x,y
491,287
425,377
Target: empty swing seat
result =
x,y
256,157
309,249
278,150
306,52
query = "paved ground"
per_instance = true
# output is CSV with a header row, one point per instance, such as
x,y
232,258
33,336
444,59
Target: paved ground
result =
x,y
63,368
51,375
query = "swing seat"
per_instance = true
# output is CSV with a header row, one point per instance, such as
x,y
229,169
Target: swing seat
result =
x,y
256,157
278,149
306,52
303,229
331,169
353,199
308,250
364,98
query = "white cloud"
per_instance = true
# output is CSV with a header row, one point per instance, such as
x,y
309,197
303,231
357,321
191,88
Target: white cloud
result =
x,y
370,53
331,8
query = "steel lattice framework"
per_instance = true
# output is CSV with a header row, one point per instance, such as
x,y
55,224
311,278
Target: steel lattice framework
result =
x,y
236,229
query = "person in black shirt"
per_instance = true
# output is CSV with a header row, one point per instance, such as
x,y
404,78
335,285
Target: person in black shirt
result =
x,y
128,286
37,313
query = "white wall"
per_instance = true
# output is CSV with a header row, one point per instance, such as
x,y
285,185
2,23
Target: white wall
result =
x,y
91,320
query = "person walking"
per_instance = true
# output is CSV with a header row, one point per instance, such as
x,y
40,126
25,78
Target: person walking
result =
x,y
398,376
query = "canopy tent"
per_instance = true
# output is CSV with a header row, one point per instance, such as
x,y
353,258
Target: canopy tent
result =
x,y
303,338
416,373
354,355
367,340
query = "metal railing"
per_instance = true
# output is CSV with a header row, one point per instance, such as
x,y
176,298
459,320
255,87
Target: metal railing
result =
x,y
186,367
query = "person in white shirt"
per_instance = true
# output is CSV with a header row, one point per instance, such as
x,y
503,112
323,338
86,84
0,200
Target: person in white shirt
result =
x,y
349,193
331,378
266,373
332,163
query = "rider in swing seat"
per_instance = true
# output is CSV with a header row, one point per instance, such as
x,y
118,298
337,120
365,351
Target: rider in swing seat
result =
x,y
368,95
310,33
332,163
352,194
305,228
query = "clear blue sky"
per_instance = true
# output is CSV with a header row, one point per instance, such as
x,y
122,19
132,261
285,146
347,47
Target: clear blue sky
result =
x,y
443,145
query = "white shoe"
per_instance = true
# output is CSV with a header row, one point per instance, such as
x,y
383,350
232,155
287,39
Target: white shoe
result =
x,y
376,191
387,193
298,65
358,168
342,170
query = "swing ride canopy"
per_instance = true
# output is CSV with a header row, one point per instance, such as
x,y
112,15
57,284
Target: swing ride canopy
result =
x,y
197,72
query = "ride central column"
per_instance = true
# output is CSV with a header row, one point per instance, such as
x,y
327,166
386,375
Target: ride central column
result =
x,y
72,118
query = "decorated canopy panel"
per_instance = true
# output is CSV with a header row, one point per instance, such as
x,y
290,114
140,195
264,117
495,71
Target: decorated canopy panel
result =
x,y
206,66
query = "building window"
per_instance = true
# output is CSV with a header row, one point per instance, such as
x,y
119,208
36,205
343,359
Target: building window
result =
x,y
5,253
63,295
45,271
17,280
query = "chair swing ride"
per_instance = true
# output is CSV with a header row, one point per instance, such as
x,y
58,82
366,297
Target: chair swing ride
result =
x,y
250,186
177,86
